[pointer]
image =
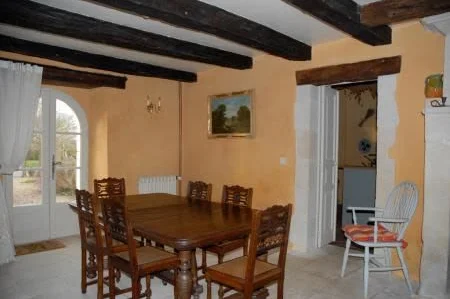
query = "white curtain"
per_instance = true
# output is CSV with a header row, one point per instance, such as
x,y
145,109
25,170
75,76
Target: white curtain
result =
x,y
20,87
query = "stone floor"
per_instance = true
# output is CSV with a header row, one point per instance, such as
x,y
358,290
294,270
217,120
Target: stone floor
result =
x,y
56,274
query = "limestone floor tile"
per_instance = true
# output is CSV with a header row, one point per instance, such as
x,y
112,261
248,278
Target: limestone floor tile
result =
x,y
56,274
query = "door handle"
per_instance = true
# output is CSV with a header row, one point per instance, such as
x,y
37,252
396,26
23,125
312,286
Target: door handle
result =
x,y
54,166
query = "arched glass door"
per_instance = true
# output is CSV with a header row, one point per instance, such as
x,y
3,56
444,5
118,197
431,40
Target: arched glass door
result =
x,y
55,165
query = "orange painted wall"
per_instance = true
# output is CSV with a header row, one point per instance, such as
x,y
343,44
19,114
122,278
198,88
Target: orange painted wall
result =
x,y
255,162
124,140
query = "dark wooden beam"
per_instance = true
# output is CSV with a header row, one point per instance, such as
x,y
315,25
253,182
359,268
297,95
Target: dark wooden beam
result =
x,y
392,11
350,72
29,14
53,75
207,18
95,61
344,15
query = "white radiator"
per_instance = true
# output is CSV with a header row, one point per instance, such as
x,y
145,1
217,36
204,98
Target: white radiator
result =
x,y
158,184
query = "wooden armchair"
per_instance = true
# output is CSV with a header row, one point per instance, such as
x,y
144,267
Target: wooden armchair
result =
x,y
105,188
199,190
137,262
270,230
238,196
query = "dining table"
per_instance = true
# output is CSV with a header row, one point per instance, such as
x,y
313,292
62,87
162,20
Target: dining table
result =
x,y
185,224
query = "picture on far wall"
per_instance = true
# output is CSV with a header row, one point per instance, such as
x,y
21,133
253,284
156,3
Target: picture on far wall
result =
x,y
231,115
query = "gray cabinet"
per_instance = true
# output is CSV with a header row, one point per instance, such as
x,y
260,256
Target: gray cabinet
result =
x,y
359,191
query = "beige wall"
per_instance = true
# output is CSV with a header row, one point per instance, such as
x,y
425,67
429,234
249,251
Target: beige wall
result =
x,y
124,140
354,102
255,162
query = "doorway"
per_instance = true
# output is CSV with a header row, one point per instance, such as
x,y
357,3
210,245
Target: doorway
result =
x,y
56,164
357,153
309,221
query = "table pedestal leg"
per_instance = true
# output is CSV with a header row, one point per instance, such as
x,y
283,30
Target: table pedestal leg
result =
x,y
184,278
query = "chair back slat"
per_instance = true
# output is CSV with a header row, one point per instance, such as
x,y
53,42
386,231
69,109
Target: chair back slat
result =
x,y
199,191
270,230
117,226
88,221
237,195
402,203
107,187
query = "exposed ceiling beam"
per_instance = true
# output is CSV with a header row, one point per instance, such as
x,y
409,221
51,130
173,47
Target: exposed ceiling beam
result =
x,y
344,15
350,72
89,60
393,11
53,75
207,18
29,14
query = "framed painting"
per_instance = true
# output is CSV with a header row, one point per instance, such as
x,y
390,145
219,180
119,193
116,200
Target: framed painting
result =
x,y
231,115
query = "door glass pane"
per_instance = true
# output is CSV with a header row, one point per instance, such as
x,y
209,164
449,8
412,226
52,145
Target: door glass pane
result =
x,y
66,119
66,183
33,158
67,150
27,187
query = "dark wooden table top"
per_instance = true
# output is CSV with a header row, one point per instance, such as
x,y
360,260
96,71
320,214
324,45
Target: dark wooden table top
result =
x,y
185,224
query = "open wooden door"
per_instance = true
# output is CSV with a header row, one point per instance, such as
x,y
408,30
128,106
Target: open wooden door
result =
x,y
328,114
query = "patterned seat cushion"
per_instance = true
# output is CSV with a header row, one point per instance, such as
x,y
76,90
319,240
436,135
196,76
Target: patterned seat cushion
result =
x,y
365,233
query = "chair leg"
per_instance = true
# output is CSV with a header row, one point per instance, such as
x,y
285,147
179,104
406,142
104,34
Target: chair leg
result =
x,y
245,249
204,261
405,269
148,290
135,287
221,291
366,270
83,271
175,290
280,289
208,287
387,260
344,262
112,281
100,276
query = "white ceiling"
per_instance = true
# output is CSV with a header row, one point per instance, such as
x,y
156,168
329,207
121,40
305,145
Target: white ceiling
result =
x,y
275,14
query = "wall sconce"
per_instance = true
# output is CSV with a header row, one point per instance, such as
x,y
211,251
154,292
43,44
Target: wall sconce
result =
x,y
153,108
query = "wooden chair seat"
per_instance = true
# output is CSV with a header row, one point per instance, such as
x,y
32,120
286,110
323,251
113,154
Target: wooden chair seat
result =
x,y
227,246
150,258
232,273
92,243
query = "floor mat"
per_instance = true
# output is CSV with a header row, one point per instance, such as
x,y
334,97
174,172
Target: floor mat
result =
x,y
39,247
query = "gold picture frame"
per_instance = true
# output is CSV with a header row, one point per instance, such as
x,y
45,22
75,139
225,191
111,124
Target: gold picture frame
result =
x,y
231,114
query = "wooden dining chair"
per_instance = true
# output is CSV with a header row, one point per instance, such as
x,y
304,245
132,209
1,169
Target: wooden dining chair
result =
x,y
137,262
270,230
92,242
199,190
107,187
237,196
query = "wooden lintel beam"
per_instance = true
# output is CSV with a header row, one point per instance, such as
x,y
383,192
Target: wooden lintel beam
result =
x,y
344,15
53,75
83,59
393,11
33,15
350,72
207,18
